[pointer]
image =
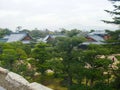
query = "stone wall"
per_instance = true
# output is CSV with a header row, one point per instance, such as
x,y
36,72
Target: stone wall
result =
x,y
13,81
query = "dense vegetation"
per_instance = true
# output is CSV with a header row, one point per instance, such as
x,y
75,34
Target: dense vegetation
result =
x,y
62,65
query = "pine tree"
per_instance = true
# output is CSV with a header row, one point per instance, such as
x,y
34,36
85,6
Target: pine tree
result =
x,y
115,13
114,0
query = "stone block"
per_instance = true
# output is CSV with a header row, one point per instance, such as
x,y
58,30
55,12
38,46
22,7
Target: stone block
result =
x,y
37,86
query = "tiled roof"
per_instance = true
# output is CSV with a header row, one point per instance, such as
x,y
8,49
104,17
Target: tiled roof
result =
x,y
45,39
88,43
98,33
16,37
96,38
51,36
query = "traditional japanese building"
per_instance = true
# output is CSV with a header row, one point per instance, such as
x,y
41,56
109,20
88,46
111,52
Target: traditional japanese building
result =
x,y
15,37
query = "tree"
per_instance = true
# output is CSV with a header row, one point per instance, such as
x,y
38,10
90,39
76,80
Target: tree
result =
x,y
92,30
114,0
115,36
115,13
35,33
63,31
21,54
4,32
39,33
73,32
25,31
8,58
67,50
41,54
18,28
55,64
95,66
116,83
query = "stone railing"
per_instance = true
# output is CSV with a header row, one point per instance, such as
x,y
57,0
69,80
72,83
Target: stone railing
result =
x,y
13,81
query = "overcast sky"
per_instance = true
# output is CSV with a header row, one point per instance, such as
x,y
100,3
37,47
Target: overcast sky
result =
x,y
55,14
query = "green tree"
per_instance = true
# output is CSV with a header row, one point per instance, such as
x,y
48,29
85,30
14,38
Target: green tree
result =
x,y
115,72
63,31
67,50
55,64
115,13
21,54
39,33
113,42
73,32
41,54
35,33
8,57
114,0
95,66
115,36
25,31
4,32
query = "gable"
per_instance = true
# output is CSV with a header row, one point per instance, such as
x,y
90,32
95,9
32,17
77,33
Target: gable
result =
x,y
27,38
95,38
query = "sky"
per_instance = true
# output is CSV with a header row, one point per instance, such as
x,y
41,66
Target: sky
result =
x,y
55,14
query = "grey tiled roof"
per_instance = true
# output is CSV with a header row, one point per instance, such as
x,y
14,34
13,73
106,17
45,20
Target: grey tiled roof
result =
x,y
45,39
13,37
16,37
88,43
96,38
51,36
98,33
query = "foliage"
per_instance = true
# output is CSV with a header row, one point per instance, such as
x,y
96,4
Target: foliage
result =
x,y
69,54
21,54
115,13
11,53
55,64
4,32
113,41
102,86
41,54
80,87
114,0
8,57
95,66
115,37
71,67
73,32
39,33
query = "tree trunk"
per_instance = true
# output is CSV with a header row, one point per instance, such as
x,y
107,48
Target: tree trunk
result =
x,y
86,81
92,81
70,80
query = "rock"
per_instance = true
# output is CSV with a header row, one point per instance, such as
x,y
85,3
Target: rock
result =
x,y
13,81
3,71
36,86
16,80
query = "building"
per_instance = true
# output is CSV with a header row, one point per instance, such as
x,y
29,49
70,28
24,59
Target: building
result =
x,y
97,37
15,37
49,38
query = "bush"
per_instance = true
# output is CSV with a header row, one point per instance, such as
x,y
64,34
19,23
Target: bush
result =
x,y
80,87
102,86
